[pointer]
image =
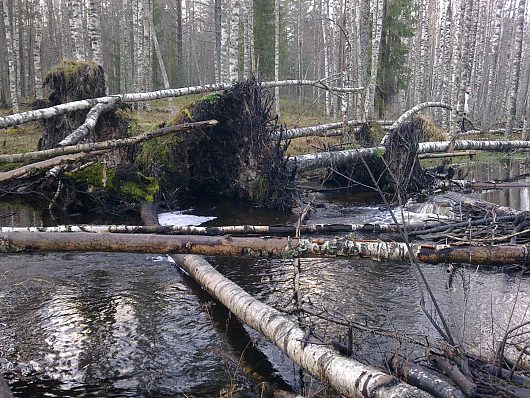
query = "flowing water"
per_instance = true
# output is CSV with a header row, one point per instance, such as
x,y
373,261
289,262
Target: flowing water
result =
x,y
114,324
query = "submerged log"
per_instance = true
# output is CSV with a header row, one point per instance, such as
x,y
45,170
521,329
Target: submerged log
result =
x,y
347,376
339,158
12,242
420,377
467,386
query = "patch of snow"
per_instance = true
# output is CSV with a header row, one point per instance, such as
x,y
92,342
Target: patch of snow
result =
x,y
181,219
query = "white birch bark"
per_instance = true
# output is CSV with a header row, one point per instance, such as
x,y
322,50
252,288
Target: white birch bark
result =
x,y
277,54
61,109
102,145
125,49
324,129
340,158
233,63
516,69
347,376
225,76
423,53
495,41
364,42
324,21
37,49
138,44
94,31
10,56
369,102
76,29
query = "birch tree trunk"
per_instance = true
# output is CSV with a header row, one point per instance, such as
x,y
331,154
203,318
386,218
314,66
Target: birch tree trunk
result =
x,y
369,104
495,41
347,376
16,242
76,29
37,49
217,29
277,55
179,44
125,49
94,31
10,56
233,64
225,26
516,69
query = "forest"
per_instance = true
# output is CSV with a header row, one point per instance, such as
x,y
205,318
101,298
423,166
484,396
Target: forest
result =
x,y
265,198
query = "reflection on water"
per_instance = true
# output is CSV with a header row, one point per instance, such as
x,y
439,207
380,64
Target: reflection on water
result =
x,y
506,169
130,325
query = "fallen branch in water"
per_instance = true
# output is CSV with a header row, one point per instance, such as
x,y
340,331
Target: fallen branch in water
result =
x,y
102,145
420,377
265,247
348,377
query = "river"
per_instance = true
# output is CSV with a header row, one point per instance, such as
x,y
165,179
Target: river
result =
x,y
118,325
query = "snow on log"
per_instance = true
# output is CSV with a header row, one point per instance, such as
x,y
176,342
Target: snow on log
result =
x,y
61,109
102,145
266,247
347,376
313,161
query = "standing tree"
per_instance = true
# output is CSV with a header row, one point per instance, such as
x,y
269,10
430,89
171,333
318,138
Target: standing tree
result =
x,y
516,69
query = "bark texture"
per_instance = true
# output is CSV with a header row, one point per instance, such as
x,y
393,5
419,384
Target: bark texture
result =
x,y
267,247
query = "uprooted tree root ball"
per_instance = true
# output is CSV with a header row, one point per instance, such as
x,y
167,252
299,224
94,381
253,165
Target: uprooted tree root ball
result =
x,y
397,170
235,159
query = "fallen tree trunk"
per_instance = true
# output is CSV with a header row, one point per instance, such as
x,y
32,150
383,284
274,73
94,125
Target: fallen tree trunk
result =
x,y
447,155
345,375
323,129
12,242
46,164
102,145
90,123
339,158
287,230
61,109
403,118
419,376
467,386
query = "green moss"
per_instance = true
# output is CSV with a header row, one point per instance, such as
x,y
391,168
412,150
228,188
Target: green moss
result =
x,y
380,152
138,187
211,98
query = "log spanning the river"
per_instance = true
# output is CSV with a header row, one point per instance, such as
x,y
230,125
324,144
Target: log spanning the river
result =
x,y
57,110
347,376
277,230
340,158
12,242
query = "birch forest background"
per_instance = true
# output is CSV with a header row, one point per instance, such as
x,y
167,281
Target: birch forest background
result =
x,y
402,52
